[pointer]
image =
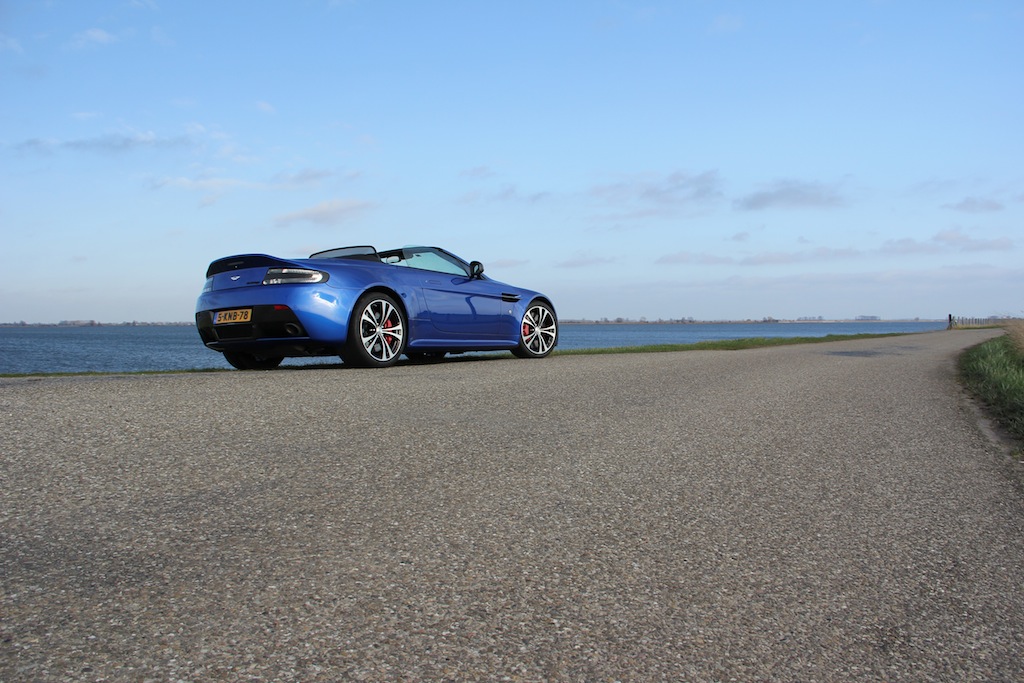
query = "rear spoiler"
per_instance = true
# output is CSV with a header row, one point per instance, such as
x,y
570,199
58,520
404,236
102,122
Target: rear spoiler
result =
x,y
245,261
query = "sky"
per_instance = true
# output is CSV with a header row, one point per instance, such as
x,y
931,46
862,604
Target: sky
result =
x,y
706,159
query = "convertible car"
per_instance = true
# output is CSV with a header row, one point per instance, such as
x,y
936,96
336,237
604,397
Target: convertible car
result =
x,y
367,307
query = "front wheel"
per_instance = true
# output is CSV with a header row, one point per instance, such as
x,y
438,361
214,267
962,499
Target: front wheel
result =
x,y
249,361
376,335
538,332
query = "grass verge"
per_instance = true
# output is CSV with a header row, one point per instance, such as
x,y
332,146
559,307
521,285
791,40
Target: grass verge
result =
x,y
994,372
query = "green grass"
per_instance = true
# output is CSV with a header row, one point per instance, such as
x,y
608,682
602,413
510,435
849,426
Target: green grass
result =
x,y
994,372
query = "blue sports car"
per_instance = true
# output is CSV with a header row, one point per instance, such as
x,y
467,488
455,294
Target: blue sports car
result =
x,y
367,307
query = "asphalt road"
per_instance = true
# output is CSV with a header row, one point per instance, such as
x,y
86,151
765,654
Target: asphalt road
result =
x,y
826,512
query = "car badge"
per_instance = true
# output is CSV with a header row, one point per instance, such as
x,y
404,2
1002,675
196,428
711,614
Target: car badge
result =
x,y
235,277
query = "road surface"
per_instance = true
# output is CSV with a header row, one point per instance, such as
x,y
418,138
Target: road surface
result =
x,y
823,512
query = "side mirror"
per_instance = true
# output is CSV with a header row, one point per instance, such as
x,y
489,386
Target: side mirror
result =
x,y
476,269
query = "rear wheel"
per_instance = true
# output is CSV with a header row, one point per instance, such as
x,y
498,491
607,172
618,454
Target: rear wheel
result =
x,y
538,331
250,361
376,334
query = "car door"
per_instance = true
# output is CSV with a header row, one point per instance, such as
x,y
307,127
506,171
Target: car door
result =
x,y
459,306
462,307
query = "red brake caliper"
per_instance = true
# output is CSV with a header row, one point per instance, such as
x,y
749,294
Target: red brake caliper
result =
x,y
526,330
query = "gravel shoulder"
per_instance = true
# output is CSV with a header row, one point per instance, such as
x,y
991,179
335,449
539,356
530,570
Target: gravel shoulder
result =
x,y
822,512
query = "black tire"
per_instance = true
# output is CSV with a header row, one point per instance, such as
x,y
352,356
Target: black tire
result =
x,y
376,332
538,331
249,361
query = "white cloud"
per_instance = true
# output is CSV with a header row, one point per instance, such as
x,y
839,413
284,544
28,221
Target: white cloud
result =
x,y
928,292
107,144
812,255
945,241
159,37
647,197
507,193
907,246
303,178
975,205
212,188
727,23
234,152
478,172
508,263
584,261
331,212
792,194
956,239
9,44
691,258
92,36
674,189
216,185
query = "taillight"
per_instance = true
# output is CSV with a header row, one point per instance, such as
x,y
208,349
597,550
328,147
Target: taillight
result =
x,y
294,276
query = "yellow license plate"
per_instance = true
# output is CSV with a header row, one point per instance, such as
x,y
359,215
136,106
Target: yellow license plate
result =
x,y
237,315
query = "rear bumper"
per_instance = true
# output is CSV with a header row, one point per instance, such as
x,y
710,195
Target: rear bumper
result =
x,y
268,322
286,320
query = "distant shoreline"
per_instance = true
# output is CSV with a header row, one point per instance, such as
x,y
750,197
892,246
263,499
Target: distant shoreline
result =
x,y
858,321
617,321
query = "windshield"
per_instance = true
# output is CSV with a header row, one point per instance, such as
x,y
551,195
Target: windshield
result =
x,y
426,258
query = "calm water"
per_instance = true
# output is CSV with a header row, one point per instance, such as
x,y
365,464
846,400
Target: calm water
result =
x,y
26,350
